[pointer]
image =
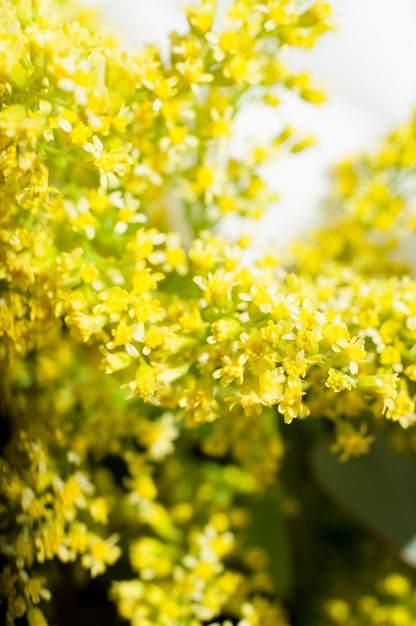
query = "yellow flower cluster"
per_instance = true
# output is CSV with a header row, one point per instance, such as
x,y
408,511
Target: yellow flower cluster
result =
x,y
44,521
378,189
392,604
146,366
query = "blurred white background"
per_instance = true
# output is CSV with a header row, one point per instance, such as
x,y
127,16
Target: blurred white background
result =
x,y
366,67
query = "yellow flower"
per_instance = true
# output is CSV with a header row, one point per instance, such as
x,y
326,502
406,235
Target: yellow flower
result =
x,y
337,381
402,408
291,405
144,385
100,553
231,370
198,404
350,442
257,352
379,386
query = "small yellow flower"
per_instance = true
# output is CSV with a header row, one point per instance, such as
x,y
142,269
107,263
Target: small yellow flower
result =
x,y
231,370
337,381
291,405
350,442
144,385
100,553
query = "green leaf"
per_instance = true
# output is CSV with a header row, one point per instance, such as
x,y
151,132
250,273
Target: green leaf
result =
x,y
379,489
268,530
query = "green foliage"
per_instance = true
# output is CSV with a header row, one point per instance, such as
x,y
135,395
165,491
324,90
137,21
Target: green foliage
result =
x,y
378,488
